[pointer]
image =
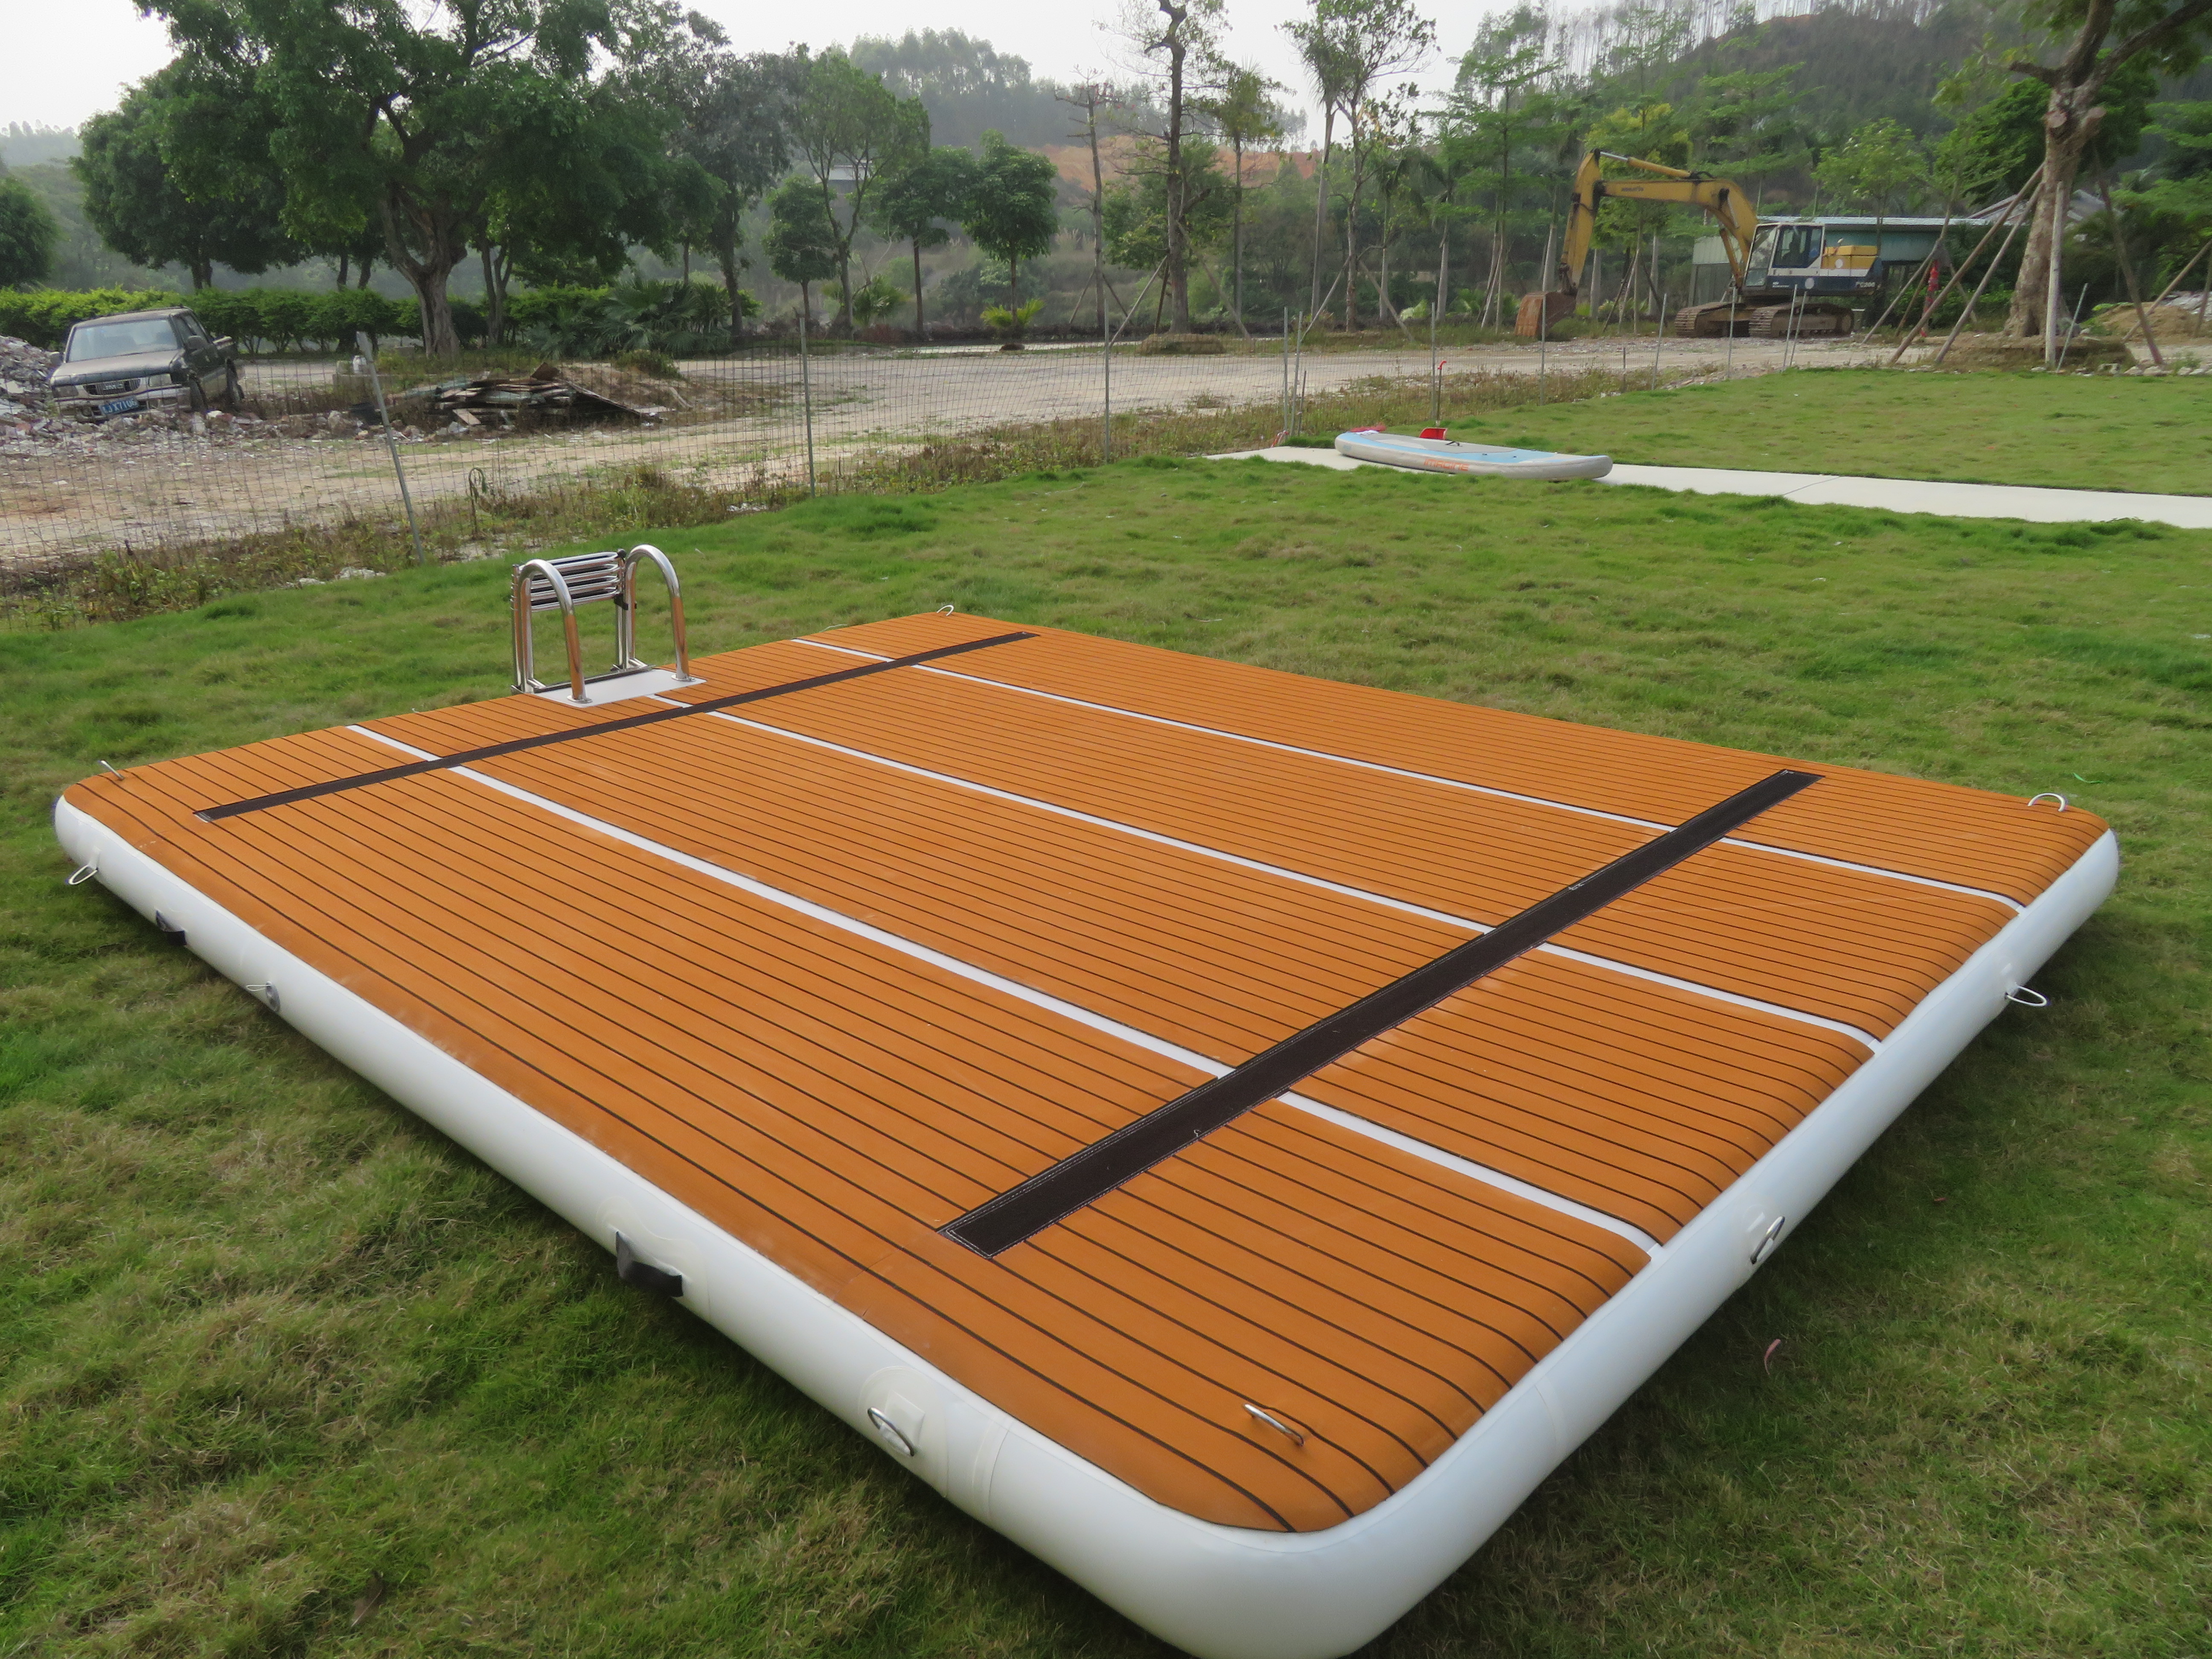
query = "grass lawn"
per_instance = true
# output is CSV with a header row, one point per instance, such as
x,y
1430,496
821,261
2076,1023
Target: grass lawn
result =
x,y
2064,431
281,1372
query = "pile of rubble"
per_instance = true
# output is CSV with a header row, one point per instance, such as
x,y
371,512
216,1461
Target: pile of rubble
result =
x,y
23,371
502,401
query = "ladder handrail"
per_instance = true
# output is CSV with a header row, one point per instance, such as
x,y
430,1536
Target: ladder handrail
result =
x,y
626,610
526,663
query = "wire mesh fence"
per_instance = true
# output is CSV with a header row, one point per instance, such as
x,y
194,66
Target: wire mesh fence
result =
x,y
148,510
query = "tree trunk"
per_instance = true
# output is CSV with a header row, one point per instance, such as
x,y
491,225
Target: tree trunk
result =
x,y
726,257
440,338
2067,130
495,281
920,329
1236,246
1097,204
342,262
1320,203
1178,274
202,274
427,274
1351,238
1386,310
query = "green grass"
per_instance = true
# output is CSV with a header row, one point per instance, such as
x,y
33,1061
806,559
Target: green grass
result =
x,y
281,1372
2066,431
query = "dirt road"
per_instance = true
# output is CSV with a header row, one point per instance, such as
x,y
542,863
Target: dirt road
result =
x,y
151,488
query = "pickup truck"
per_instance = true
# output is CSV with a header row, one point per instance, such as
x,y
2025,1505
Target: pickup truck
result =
x,y
143,359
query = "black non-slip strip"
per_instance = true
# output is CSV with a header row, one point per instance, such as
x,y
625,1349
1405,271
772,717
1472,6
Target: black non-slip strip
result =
x,y
493,750
1084,1176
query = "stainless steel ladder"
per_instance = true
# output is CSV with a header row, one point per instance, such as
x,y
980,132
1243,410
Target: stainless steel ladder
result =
x,y
585,579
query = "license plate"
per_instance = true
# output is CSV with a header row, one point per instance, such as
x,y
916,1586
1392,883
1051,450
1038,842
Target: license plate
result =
x,y
118,405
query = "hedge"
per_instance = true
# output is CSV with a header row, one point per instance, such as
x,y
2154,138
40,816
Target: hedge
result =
x,y
283,319
43,316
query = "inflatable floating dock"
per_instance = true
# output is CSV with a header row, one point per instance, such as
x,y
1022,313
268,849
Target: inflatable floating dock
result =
x,y
1446,455
1232,1133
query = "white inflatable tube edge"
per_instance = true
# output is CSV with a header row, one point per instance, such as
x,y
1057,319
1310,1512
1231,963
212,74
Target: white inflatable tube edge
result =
x,y
1218,1592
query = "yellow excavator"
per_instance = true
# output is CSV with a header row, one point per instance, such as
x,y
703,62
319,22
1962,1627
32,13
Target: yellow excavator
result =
x,y
1761,310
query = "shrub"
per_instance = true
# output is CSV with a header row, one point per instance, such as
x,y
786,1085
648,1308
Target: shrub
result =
x,y
557,307
658,363
876,301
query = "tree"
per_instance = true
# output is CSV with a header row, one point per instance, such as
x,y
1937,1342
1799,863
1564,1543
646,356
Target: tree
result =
x,y
1172,40
413,119
1245,114
1366,42
1653,131
2108,36
2181,186
967,86
1742,123
1321,48
1876,166
1093,97
180,173
734,126
29,234
802,244
915,199
849,129
1488,107
621,187
1013,211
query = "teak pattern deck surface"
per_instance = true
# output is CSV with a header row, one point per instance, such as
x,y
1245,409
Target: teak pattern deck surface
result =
x,y
1094,869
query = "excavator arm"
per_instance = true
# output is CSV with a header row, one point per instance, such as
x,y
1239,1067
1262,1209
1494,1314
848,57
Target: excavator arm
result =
x,y
1730,209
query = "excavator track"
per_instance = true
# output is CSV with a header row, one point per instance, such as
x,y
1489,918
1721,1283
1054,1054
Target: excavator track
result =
x,y
1812,319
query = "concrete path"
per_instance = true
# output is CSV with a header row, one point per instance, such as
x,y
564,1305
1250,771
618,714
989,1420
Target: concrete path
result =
x,y
1950,501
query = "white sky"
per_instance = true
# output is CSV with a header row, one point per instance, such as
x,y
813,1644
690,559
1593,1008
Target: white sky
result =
x,y
73,58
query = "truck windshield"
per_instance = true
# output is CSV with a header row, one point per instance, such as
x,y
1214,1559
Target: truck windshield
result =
x,y
122,339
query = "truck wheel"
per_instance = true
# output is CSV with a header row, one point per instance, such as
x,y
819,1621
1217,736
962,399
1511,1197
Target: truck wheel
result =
x,y
233,394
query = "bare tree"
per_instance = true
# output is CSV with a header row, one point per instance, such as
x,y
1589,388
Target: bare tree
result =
x,y
1090,98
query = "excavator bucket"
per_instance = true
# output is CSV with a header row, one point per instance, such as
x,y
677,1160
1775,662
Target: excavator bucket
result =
x,y
1540,312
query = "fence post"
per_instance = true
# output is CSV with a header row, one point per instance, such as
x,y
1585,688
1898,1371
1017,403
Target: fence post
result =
x,y
1106,409
1728,358
1658,338
1286,372
807,394
1436,373
390,440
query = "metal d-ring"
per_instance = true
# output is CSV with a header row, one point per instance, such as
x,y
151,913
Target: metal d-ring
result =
x,y
944,609
83,873
1276,1424
892,1433
2048,794
2028,999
